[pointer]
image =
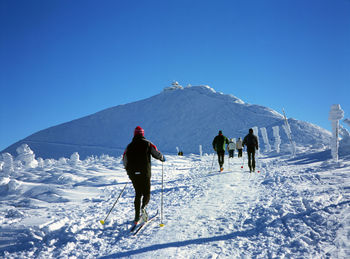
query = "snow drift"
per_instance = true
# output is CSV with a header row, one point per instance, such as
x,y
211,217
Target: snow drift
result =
x,y
177,117
293,208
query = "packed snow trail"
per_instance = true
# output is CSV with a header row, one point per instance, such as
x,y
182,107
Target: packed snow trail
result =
x,y
216,206
211,219
237,213
293,208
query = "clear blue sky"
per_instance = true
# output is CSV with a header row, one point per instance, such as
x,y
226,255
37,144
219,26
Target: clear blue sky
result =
x,y
61,60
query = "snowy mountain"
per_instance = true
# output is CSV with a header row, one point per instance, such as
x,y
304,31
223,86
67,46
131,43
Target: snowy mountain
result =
x,y
177,117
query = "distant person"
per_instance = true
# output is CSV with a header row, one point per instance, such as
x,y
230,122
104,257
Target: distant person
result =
x,y
137,162
251,141
231,148
219,143
239,147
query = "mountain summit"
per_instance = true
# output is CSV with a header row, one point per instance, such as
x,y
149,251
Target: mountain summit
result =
x,y
183,117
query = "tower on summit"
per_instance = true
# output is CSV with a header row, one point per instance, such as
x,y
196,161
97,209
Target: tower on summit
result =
x,y
174,86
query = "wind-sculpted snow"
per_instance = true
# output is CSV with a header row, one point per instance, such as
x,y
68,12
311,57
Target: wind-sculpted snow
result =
x,y
290,208
178,117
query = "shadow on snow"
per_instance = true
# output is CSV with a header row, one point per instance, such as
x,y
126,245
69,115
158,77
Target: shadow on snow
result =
x,y
303,159
246,233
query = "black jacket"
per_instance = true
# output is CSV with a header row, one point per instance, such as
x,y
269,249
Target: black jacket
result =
x,y
251,141
137,156
219,143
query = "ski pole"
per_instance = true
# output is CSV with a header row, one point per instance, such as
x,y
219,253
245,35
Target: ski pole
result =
x,y
103,221
161,199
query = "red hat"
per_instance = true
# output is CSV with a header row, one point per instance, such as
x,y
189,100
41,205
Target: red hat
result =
x,y
139,131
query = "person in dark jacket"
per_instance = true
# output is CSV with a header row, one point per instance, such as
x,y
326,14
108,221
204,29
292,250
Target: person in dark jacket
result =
x,y
251,141
137,162
219,143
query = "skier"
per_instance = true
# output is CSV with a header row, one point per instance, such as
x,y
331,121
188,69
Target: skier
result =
x,y
231,148
239,147
251,141
137,162
219,146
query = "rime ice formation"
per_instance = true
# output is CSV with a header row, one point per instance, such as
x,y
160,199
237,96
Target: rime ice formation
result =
x,y
266,139
26,156
288,132
276,134
335,114
75,158
7,166
344,144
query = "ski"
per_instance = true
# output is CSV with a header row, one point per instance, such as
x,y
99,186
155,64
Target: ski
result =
x,y
142,224
133,227
138,223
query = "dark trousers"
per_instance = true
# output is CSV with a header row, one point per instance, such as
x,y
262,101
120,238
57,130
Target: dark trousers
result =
x,y
142,186
221,157
239,152
251,158
231,153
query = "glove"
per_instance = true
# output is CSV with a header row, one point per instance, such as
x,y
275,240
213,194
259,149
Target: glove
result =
x,y
163,159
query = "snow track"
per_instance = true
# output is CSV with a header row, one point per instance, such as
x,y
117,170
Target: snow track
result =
x,y
292,208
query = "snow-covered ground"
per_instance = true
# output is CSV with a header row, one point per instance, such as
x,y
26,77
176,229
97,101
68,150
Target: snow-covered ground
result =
x,y
290,208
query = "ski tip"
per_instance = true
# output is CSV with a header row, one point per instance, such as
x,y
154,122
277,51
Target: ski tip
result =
x,y
161,225
102,222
